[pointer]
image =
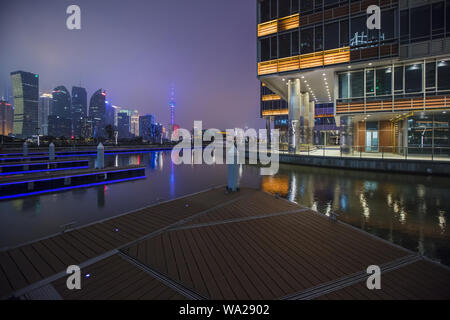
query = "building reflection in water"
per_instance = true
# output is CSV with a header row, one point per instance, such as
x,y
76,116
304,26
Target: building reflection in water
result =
x,y
408,210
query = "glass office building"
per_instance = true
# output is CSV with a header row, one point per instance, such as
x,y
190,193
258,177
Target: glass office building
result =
x,y
388,87
26,101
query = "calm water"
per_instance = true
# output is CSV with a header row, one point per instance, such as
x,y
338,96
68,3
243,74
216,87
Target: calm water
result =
x,y
411,211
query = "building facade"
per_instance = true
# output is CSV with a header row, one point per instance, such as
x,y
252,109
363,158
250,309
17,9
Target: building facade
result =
x,y
60,119
78,109
145,126
97,111
6,118
45,109
134,120
123,125
388,87
26,101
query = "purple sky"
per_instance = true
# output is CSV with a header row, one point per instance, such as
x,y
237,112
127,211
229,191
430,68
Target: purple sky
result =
x,y
135,49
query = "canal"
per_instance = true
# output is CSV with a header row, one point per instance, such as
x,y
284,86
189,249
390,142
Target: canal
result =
x,y
409,210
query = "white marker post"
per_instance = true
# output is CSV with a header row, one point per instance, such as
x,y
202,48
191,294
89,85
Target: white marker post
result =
x,y
51,151
100,162
233,170
25,149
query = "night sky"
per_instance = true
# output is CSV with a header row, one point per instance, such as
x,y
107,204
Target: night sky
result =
x,y
136,49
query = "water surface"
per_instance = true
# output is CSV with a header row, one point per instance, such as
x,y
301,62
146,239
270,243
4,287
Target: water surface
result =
x,y
409,210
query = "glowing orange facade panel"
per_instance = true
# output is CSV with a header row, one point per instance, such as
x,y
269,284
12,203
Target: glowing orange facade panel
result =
x,y
279,112
270,97
304,61
397,105
277,25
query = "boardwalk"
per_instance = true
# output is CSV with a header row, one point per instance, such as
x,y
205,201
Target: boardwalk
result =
x,y
214,245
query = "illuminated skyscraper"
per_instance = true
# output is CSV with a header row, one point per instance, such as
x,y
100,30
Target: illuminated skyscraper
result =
x,y
45,109
97,109
79,109
6,117
135,123
26,100
60,119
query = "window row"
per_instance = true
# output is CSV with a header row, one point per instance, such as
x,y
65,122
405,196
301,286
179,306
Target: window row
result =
x,y
273,9
412,78
425,22
328,36
274,105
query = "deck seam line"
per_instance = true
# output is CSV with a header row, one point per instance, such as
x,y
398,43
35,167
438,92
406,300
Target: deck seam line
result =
x,y
180,222
349,280
350,226
57,276
188,293
107,254
154,204
214,223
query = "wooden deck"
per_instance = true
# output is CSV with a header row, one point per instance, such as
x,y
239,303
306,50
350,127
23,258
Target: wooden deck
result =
x,y
214,245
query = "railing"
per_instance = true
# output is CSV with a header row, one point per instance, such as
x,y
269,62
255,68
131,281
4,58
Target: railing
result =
x,y
304,61
382,153
418,103
270,97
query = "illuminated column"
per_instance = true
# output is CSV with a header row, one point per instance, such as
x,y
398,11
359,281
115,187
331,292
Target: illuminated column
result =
x,y
305,119
346,132
268,120
294,101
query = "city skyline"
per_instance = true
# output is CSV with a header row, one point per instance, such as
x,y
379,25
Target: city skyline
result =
x,y
137,63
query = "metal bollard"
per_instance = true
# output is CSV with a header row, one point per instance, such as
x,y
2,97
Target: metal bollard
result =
x,y
100,161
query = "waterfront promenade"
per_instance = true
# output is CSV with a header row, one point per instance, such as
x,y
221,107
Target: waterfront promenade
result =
x,y
218,245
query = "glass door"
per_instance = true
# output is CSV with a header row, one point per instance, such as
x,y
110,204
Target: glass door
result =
x,y
371,141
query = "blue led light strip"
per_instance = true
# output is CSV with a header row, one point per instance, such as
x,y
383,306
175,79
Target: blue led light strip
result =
x,y
78,175
39,163
41,170
68,188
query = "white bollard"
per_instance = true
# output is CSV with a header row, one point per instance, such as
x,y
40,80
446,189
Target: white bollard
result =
x,y
25,149
233,170
51,151
100,161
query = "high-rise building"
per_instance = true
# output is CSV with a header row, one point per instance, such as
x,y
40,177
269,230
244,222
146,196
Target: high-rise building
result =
x,y
6,118
59,127
389,87
156,133
60,119
79,109
97,110
26,100
135,123
109,114
123,125
145,125
61,102
45,109
116,113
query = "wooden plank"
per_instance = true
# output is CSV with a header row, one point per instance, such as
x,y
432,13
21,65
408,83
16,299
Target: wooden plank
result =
x,y
40,265
14,276
26,268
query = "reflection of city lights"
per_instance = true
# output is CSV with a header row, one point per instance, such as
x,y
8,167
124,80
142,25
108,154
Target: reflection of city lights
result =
x,y
402,216
328,209
389,200
420,190
293,188
396,207
442,220
366,211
